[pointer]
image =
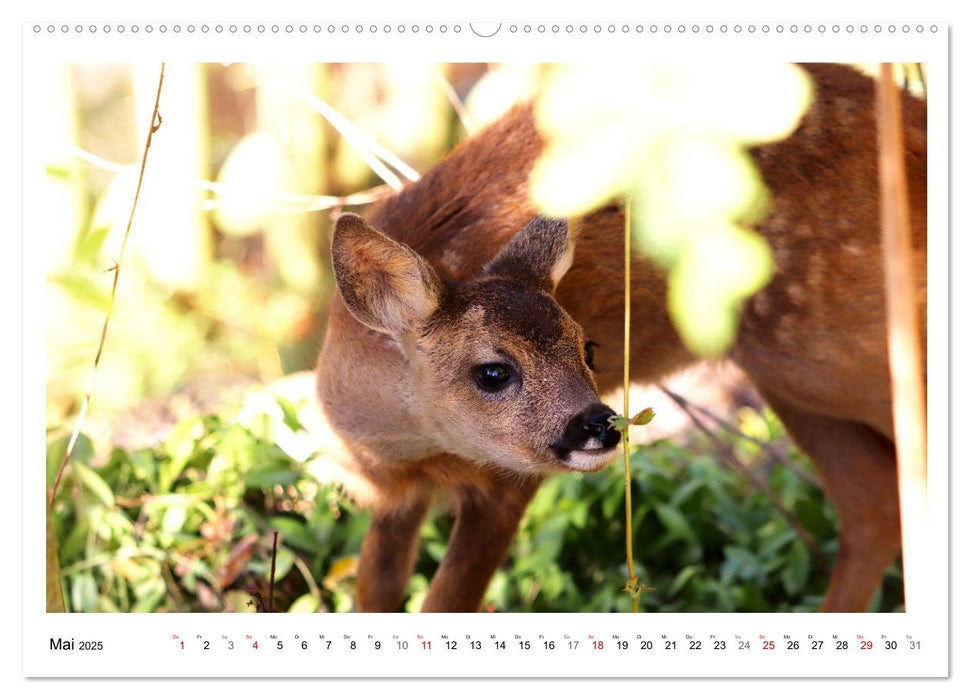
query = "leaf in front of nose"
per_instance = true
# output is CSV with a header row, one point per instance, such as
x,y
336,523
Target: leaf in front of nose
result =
x,y
643,417
619,422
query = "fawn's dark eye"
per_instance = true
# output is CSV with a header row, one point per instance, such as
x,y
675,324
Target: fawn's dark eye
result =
x,y
588,353
493,376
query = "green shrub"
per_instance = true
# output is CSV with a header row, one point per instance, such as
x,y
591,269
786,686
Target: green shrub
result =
x,y
188,526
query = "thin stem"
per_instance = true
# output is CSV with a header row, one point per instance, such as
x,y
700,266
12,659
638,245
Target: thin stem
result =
x,y
269,605
632,584
156,123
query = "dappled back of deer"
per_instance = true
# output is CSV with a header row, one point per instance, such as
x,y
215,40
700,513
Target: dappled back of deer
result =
x,y
459,354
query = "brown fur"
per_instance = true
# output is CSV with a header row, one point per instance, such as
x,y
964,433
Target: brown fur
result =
x,y
813,340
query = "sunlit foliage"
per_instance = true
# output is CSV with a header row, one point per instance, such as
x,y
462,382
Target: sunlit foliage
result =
x,y
673,137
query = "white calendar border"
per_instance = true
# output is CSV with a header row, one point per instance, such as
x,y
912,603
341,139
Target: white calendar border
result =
x,y
456,46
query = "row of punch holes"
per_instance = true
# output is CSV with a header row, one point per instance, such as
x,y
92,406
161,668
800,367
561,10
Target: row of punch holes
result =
x,y
482,30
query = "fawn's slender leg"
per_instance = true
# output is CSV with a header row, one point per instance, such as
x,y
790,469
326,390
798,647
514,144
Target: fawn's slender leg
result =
x,y
858,469
388,556
481,536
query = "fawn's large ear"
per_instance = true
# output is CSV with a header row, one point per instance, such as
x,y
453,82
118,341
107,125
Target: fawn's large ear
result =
x,y
385,284
539,255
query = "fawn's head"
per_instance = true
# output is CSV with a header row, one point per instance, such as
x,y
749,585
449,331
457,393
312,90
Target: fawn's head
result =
x,y
500,374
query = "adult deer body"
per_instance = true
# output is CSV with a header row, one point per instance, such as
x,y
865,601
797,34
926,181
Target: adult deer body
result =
x,y
458,352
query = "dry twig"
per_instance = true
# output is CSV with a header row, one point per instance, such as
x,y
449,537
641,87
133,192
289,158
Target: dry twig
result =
x,y
453,98
156,124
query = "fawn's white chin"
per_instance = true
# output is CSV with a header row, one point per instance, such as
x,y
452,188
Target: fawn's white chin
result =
x,y
589,460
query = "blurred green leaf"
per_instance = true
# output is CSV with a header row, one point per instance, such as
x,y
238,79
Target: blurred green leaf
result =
x,y
685,575
715,273
95,484
796,573
88,245
173,519
295,533
261,567
148,594
84,592
290,418
82,289
241,601
741,564
643,417
618,422
675,522
182,442
611,501
307,603
270,476
677,146
63,172
603,158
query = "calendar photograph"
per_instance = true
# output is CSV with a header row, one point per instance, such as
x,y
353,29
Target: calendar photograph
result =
x,y
483,337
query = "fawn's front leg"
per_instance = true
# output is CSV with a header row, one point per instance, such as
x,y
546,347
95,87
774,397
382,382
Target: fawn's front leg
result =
x,y
487,521
388,555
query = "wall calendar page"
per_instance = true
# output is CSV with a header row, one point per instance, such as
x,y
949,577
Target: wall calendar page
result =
x,y
449,349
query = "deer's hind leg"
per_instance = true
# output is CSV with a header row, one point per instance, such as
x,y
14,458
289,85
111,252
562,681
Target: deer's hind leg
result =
x,y
858,469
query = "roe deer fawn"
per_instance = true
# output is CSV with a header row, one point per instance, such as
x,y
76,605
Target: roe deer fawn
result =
x,y
459,357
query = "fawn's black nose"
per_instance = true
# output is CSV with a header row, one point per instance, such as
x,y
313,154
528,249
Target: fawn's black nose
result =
x,y
597,425
588,430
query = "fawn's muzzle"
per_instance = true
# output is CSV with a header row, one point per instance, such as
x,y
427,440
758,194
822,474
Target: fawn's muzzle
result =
x,y
587,432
